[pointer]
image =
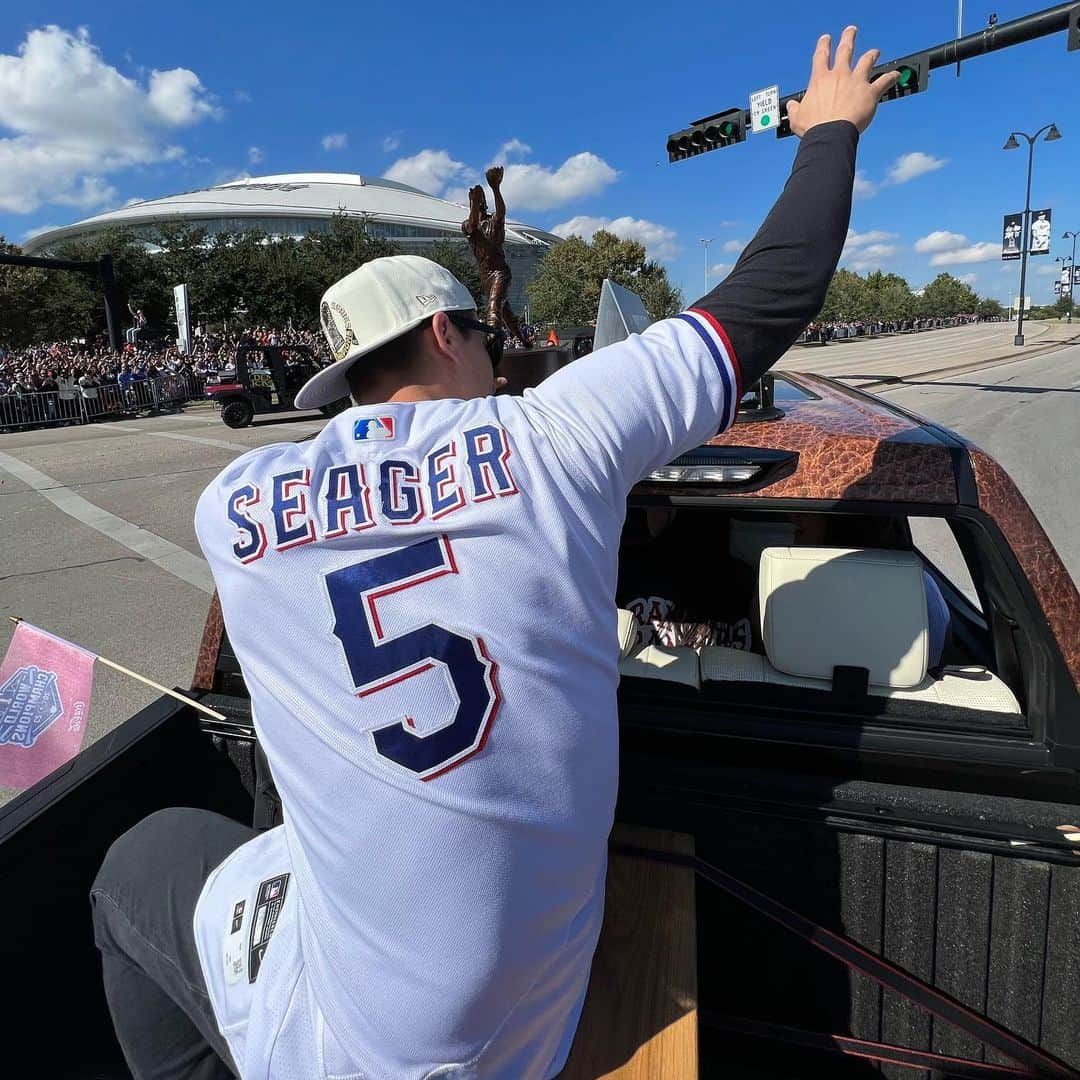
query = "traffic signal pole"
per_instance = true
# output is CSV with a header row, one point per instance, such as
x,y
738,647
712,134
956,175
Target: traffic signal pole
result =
x,y
914,70
102,270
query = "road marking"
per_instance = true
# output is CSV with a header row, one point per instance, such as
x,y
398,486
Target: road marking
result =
x,y
201,439
299,425
163,553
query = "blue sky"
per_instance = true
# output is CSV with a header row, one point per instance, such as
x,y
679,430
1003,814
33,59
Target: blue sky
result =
x,y
103,103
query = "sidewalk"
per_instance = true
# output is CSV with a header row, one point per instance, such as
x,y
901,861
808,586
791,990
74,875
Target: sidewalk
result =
x,y
870,363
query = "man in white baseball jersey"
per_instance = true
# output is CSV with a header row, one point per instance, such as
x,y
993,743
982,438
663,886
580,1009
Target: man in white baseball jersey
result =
x,y
422,601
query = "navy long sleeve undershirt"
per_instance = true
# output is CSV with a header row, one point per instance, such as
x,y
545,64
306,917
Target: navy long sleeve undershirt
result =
x,y
779,283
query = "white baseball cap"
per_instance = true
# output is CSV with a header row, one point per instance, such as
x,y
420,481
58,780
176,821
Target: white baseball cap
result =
x,y
373,305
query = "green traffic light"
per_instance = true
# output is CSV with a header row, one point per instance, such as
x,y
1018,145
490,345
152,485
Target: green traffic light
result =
x,y
907,76
727,129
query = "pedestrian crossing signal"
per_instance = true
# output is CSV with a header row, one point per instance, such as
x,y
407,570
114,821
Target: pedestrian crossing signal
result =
x,y
710,133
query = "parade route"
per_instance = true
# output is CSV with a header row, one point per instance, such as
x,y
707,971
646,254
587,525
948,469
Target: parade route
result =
x,y
101,546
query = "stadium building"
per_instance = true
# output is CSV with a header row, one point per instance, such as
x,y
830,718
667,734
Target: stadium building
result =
x,y
294,204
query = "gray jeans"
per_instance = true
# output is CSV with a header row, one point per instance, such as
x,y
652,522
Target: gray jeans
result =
x,y
143,902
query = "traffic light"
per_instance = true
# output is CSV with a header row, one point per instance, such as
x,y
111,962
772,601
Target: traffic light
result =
x,y
710,133
914,75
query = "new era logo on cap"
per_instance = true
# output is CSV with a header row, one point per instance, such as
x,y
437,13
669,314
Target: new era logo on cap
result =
x,y
370,428
426,298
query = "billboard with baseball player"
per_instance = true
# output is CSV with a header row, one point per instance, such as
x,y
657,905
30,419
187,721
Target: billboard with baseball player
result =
x,y
1040,232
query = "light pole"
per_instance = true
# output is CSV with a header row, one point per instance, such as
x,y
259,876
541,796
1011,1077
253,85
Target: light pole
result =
x,y
1072,269
1052,134
705,243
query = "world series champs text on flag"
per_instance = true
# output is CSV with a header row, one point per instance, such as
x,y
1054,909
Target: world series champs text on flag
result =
x,y
45,686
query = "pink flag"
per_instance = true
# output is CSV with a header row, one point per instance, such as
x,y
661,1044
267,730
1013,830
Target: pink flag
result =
x,y
45,685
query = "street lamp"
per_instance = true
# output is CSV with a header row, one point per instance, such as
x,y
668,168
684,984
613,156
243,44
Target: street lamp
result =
x,y
706,244
1052,135
1072,272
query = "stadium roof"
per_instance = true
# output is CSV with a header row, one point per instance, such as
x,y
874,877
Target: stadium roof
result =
x,y
292,195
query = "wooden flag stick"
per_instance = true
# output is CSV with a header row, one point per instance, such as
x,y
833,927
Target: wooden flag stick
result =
x,y
150,682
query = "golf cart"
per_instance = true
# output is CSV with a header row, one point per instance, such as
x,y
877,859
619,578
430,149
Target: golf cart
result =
x,y
266,380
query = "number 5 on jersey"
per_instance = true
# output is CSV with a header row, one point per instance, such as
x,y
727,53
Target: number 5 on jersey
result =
x,y
377,662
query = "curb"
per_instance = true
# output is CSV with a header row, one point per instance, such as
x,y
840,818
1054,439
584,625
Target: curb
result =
x,y
960,369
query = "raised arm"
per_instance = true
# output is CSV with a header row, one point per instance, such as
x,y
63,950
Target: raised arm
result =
x,y
779,282
494,177
621,412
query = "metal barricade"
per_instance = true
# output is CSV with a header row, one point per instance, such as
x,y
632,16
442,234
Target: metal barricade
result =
x,y
80,404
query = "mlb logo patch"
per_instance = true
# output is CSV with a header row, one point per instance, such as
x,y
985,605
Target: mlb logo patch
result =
x,y
370,428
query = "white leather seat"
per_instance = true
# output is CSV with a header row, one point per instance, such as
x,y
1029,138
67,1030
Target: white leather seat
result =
x,y
958,687
654,661
829,608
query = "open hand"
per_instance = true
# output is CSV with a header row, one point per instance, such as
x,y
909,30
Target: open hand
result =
x,y
494,175
839,91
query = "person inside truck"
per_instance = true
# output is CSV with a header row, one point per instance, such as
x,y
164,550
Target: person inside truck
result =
x,y
421,599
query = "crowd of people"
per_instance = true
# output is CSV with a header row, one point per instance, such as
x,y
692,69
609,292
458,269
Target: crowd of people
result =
x,y
52,383
61,382
838,331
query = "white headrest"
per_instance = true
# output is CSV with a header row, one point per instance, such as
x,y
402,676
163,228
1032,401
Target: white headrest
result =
x,y
627,632
826,607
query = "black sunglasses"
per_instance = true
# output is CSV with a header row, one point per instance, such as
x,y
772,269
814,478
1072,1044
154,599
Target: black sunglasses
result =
x,y
494,339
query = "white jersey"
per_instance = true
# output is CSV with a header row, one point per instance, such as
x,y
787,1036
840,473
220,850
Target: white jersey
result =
x,y
422,601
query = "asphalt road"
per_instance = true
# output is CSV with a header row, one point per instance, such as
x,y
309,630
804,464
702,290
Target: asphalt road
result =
x,y
99,547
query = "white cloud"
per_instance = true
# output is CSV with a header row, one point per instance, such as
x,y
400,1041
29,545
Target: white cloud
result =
x,y
658,240
534,187
242,96
940,240
76,119
255,155
179,98
390,143
734,246
861,240
338,140
512,148
868,250
720,269
429,170
968,279
870,257
459,195
972,253
526,185
864,188
908,166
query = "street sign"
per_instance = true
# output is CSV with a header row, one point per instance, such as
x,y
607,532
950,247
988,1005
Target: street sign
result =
x,y
765,109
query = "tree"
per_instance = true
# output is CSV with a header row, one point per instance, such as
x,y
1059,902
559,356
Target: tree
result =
x,y
947,295
990,309
1063,306
566,289
889,297
20,287
847,298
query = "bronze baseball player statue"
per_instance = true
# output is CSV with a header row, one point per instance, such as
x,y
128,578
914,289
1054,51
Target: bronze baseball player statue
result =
x,y
486,234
